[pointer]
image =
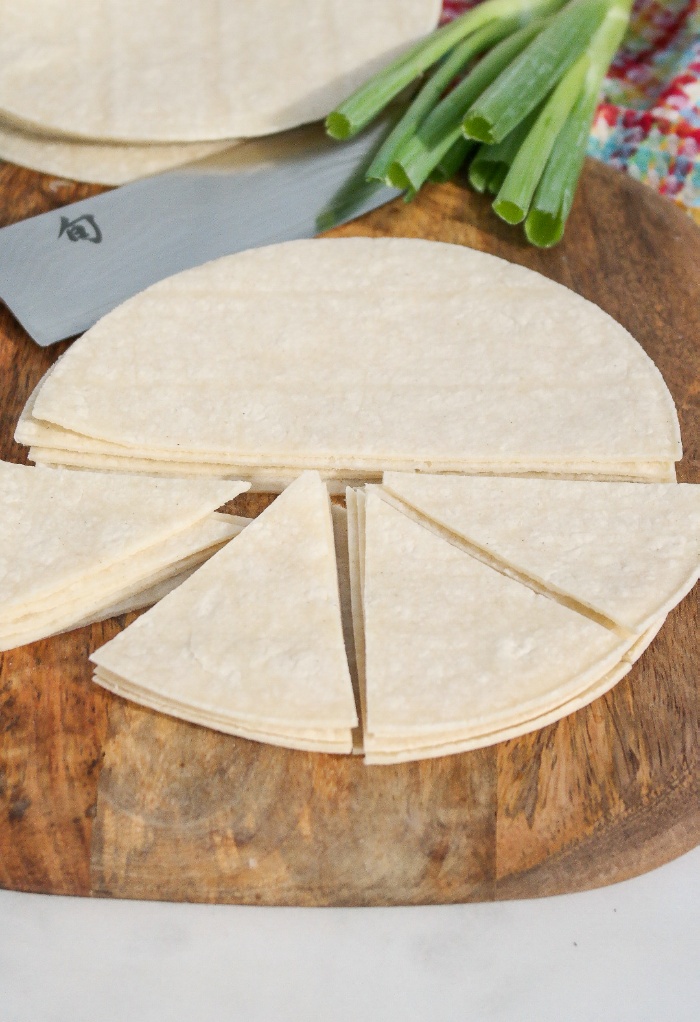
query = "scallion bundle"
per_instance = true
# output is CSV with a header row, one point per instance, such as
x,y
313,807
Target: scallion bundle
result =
x,y
509,88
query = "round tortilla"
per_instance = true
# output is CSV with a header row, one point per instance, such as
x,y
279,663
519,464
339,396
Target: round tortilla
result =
x,y
103,163
176,71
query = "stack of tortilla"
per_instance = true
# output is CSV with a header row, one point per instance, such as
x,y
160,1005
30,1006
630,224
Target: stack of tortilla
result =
x,y
356,356
105,163
485,608
110,91
251,644
462,612
77,547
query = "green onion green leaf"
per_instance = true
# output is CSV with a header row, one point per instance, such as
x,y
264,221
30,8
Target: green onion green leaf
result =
x,y
514,197
365,103
535,72
544,225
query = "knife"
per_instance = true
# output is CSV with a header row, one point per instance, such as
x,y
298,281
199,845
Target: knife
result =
x,y
61,271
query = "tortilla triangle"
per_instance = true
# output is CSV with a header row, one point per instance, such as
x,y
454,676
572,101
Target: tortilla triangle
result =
x,y
451,643
625,551
391,750
68,536
133,582
253,641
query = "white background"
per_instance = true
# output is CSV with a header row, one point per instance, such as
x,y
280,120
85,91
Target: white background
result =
x,y
628,953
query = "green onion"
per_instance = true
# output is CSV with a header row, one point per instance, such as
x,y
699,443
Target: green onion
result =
x,y
514,197
358,190
453,159
433,89
443,126
532,75
554,197
365,103
496,179
502,154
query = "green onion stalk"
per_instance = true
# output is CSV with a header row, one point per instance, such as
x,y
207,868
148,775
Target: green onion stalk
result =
x,y
443,127
515,195
455,157
534,72
370,99
514,89
492,162
545,222
474,45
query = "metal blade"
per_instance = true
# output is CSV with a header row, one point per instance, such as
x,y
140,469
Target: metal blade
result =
x,y
61,271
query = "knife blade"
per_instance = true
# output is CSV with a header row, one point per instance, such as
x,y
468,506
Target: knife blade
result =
x,y
63,270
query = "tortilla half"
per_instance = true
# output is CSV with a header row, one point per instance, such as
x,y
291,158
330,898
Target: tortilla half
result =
x,y
54,444
274,480
279,358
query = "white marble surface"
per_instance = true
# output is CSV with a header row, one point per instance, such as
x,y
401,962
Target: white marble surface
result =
x,y
629,953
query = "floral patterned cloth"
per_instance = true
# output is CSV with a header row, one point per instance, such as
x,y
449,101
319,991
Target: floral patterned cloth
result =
x,y
648,121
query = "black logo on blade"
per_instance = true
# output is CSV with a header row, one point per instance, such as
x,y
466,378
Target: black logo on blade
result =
x,y
83,228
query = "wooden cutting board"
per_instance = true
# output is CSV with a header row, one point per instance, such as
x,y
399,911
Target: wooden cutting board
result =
x,y
100,797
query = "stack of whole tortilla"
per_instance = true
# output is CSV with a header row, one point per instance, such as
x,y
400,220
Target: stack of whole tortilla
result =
x,y
77,547
353,357
485,608
106,163
111,91
252,643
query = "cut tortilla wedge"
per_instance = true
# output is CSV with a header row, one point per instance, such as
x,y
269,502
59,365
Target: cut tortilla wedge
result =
x,y
393,750
304,739
147,566
229,645
135,582
73,543
342,556
354,500
382,752
453,644
623,551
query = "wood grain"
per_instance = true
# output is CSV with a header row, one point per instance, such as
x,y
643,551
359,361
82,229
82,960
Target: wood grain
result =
x,y
99,796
